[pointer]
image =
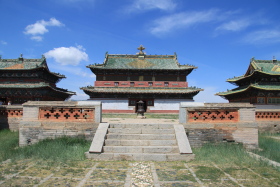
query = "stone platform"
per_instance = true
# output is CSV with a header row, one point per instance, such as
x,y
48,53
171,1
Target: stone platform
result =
x,y
140,142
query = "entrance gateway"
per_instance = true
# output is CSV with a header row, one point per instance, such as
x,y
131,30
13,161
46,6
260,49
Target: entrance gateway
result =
x,y
158,80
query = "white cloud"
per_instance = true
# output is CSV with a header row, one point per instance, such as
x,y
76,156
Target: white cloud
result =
x,y
68,55
37,38
263,37
235,25
40,28
144,5
3,42
182,20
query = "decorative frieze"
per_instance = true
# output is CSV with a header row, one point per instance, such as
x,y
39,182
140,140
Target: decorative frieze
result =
x,y
213,116
267,116
11,112
66,114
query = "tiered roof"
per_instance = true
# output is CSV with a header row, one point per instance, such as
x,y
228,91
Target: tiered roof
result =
x,y
139,90
26,64
141,62
34,85
256,70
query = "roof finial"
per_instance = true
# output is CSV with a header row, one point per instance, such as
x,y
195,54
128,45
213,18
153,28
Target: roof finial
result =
x,y
21,55
141,48
274,59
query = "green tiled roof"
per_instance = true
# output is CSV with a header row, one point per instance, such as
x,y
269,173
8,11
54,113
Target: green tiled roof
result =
x,y
141,61
34,85
25,64
271,67
245,88
267,66
141,90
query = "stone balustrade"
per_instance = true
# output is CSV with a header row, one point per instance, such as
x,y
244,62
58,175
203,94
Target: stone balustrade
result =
x,y
219,122
51,119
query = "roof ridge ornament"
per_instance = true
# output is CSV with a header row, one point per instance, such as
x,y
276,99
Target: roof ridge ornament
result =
x,y
141,48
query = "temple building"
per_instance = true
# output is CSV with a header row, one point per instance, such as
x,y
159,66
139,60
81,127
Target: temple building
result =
x,y
24,80
259,85
158,80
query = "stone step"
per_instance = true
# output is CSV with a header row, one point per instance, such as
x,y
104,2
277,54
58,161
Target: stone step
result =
x,y
146,130
141,156
141,136
111,142
140,149
154,126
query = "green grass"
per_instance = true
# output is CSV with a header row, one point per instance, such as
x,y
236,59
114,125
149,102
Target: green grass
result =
x,y
148,115
223,153
8,143
62,149
270,147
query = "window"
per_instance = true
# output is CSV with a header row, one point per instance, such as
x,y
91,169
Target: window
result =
x,y
273,100
141,78
260,100
150,103
131,103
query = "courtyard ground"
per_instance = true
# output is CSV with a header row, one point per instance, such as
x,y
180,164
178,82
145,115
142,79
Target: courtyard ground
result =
x,y
61,162
29,172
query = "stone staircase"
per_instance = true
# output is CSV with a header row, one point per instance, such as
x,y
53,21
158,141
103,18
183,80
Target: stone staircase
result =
x,y
141,142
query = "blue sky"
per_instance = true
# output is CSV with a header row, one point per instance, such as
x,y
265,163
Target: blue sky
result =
x,y
218,36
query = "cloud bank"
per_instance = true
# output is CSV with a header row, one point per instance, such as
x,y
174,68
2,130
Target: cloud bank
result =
x,y
145,5
40,27
68,55
173,22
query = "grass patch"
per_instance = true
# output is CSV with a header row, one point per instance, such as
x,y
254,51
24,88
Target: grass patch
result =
x,y
62,149
205,172
8,143
270,147
148,115
223,154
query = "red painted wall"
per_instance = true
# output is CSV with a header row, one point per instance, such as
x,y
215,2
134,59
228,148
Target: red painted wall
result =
x,y
140,84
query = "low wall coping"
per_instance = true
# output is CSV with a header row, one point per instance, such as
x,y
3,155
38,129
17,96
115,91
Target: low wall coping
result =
x,y
11,107
197,105
62,103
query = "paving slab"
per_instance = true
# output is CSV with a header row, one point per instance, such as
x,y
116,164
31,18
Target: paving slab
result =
x,y
136,173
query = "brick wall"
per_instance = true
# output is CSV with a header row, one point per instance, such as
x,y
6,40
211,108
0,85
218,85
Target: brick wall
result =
x,y
51,119
219,122
268,120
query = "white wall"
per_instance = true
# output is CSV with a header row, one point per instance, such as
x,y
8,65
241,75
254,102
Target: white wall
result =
x,y
159,104
166,104
120,104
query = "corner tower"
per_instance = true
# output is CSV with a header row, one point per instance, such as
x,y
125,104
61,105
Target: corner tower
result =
x,y
259,85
